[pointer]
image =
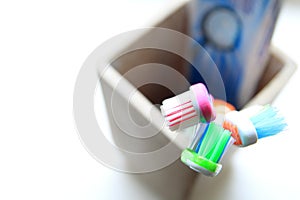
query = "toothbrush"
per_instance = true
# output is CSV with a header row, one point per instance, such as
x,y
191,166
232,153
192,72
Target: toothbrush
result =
x,y
222,107
207,149
189,108
253,123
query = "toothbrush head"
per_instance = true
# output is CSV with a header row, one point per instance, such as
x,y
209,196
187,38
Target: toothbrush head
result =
x,y
189,108
253,123
222,107
211,147
200,164
241,128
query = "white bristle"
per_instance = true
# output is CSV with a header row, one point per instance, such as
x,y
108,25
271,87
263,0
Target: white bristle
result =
x,y
229,144
177,100
179,111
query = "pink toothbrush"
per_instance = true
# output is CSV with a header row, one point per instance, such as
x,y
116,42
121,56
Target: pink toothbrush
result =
x,y
189,108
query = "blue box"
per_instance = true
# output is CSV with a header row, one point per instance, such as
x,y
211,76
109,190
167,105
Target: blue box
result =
x,y
236,34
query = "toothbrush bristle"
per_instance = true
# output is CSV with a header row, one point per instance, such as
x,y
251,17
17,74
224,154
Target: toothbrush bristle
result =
x,y
234,131
189,108
268,122
204,155
179,114
179,111
214,143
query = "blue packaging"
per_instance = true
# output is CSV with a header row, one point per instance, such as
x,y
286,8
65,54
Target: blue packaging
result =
x,y
236,34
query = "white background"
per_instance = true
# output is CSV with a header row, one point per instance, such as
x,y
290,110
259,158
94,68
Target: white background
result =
x,y
42,47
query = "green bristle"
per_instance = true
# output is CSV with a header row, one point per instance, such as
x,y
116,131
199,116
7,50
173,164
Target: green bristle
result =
x,y
211,146
220,147
214,142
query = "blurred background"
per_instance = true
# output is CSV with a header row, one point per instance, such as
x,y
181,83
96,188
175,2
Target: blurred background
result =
x,y
43,45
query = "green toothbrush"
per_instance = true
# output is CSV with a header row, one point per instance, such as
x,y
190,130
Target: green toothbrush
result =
x,y
209,145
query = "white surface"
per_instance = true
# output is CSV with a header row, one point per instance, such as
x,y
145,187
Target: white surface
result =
x,y
42,47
